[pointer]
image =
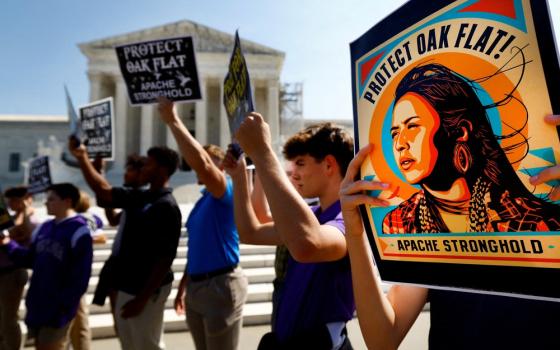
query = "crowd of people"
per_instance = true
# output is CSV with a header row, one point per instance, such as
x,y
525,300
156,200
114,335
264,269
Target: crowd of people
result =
x,y
325,271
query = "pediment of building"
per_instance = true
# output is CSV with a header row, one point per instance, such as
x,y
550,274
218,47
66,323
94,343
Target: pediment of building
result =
x,y
206,39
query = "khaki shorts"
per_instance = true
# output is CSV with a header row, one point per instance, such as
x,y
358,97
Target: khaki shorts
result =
x,y
48,335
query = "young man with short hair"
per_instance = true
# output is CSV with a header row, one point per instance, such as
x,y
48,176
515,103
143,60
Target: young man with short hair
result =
x,y
316,301
60,255
148,247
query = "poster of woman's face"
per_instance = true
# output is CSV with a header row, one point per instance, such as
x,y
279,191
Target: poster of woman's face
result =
x,y
413,130
453,99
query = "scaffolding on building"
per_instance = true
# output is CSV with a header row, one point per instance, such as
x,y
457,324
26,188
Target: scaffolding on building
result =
x,y
291,110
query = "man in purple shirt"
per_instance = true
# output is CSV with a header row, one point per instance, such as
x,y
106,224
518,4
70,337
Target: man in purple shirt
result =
x,y
60,255
316,301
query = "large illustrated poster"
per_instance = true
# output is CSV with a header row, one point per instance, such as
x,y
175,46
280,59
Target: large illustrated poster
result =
x,y
453,95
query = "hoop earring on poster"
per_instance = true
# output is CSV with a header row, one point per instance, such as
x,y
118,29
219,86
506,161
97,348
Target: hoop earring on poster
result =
x,y
462,158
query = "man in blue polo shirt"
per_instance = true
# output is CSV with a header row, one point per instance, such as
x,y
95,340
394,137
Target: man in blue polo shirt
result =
x,y
214,287
316,301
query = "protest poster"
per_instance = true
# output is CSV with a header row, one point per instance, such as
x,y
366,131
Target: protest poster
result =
x,y
238,98
5,218
453,95
39,176
98,128
165,67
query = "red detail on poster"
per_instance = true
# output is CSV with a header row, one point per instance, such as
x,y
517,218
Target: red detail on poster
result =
x,y
504,7
368,66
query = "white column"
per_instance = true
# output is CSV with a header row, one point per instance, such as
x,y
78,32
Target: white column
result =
x,y
225,137
253,95
146,128
201,115
273,112
121,109
94,86
170,139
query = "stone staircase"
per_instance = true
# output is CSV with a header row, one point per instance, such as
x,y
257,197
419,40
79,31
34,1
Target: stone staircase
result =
x,y
256,261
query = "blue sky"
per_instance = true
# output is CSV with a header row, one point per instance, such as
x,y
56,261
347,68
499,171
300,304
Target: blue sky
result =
x,y
39,43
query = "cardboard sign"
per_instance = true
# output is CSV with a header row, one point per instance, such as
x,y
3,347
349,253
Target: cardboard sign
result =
x,y
238,98
98,128
5,218
165,67
453,95
39,178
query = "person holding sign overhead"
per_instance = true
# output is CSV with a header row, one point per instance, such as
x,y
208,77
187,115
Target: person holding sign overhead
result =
x,y
316,299
142,269
458,320
214,288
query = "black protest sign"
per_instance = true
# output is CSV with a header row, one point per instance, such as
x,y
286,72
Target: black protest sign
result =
x,y
165,67
97,124
238,99
5,218
39,178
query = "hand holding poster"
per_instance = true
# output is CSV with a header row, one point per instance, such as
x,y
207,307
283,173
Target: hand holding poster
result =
x,y
5,218
453,95
238,98
97,124
39,178
165,67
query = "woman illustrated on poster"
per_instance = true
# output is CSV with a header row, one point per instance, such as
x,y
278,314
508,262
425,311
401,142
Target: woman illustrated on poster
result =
x,y
443,141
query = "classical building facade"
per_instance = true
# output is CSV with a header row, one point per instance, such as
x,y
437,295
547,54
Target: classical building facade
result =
x,y
21,136
138,128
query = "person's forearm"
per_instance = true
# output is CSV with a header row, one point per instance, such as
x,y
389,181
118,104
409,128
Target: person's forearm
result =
x,y
375,313
259,202
21,256
298,228
94,180
190,148
245,219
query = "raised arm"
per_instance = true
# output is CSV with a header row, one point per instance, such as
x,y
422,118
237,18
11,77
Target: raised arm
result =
x,y
191,150
384,320
259,201
250,229
306,239
94,179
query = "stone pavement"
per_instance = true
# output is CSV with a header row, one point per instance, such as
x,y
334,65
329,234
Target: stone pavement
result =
x,y
417,338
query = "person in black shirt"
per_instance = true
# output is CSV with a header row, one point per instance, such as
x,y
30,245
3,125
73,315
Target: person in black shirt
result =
x,y
150,237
